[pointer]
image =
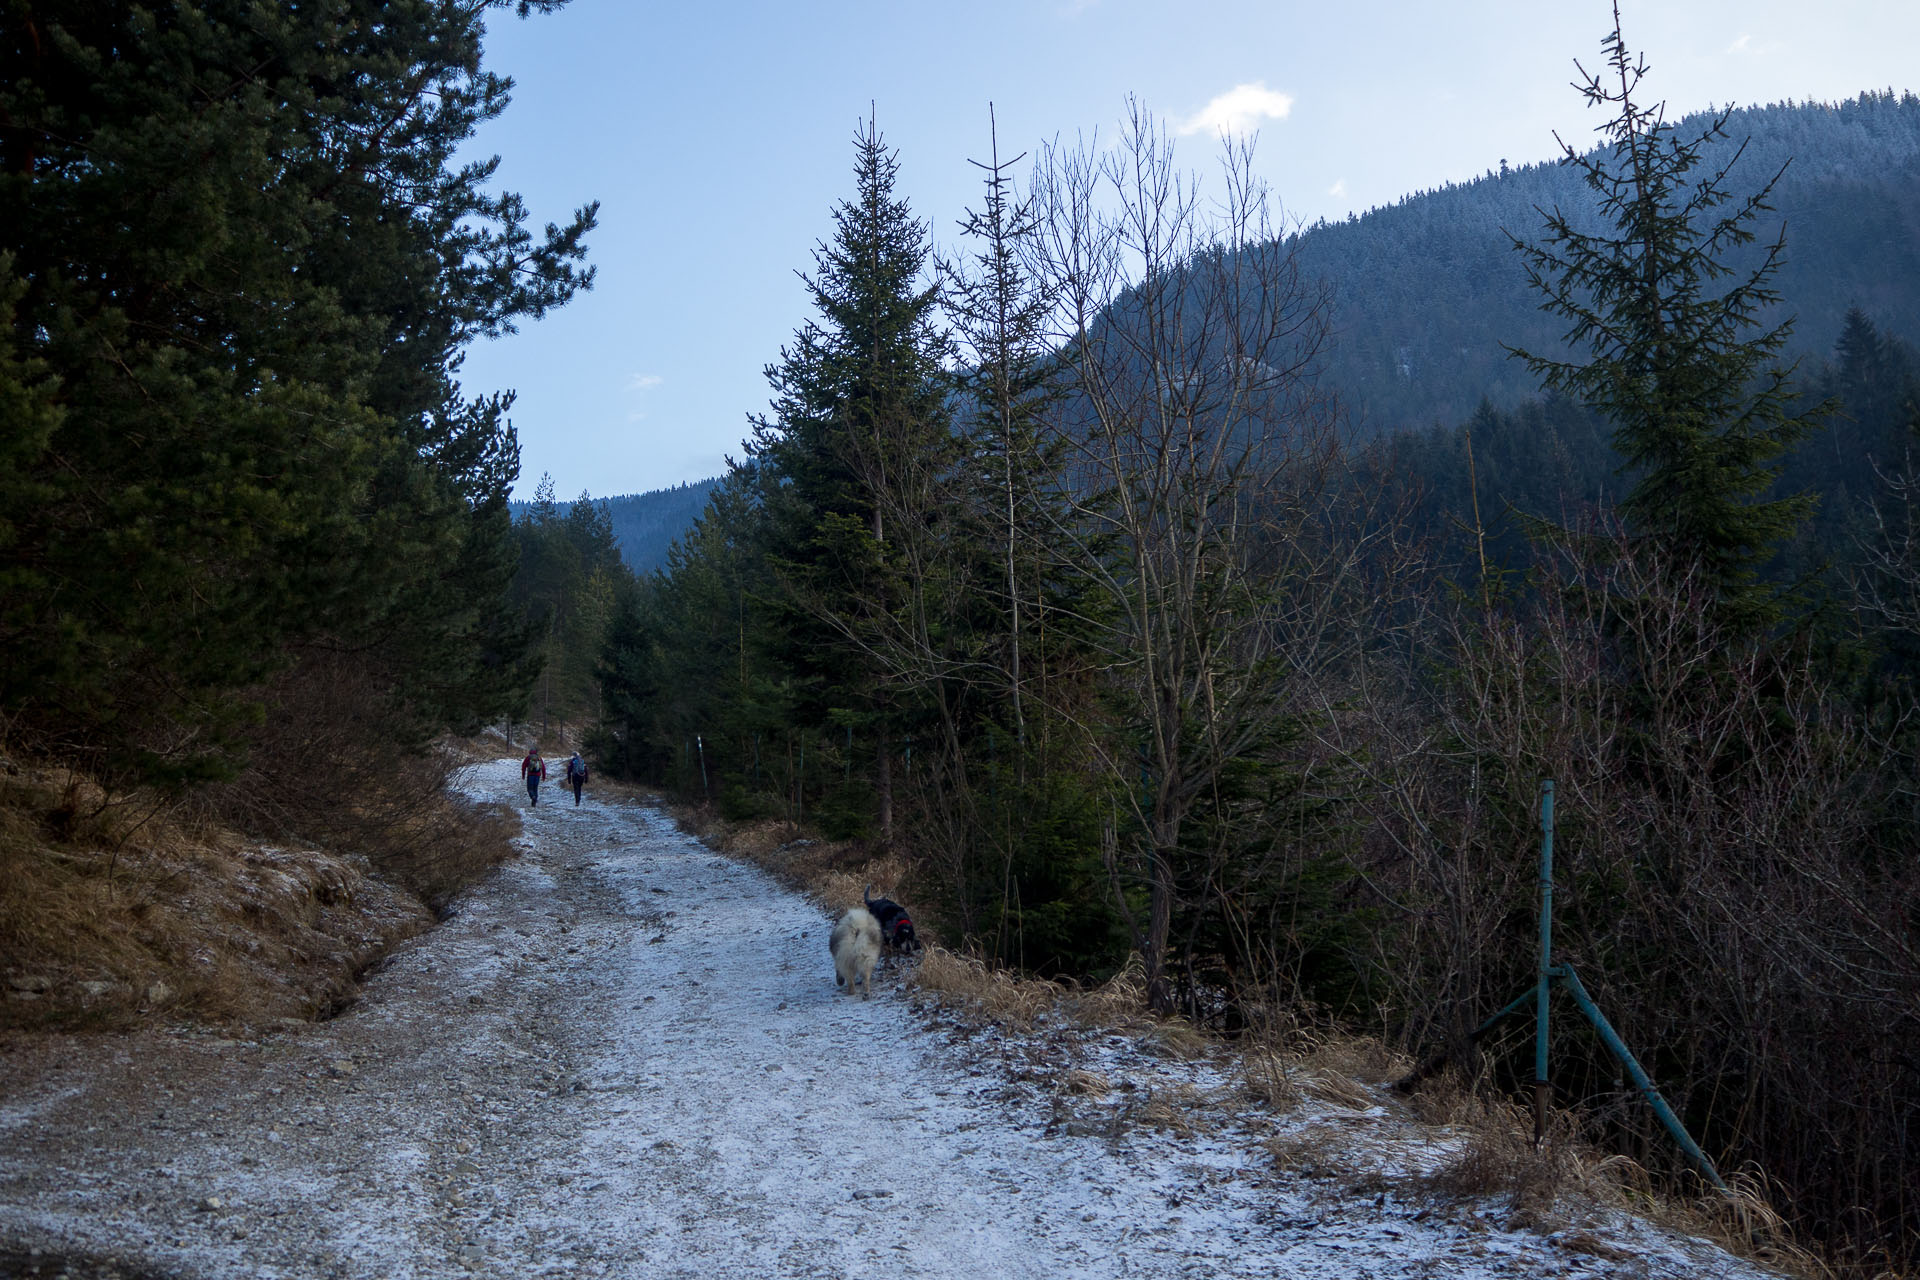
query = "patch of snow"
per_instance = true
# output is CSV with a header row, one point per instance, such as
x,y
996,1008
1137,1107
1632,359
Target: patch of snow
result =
x,y
625,1056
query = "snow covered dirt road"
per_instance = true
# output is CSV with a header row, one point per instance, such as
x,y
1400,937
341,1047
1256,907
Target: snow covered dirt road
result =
x,y
625,1056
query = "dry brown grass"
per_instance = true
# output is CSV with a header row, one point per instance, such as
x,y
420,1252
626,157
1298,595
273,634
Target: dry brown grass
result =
x,y
833,873
1118,1002
1268,1080
1565,1174
1177,1038
1181,1110
1308,1153
985,992
1497,1158
123,910
1444,1100
1282,1070
1083,1083
1743,1219
321,771
115,909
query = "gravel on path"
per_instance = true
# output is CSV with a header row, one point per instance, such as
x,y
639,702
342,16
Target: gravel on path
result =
x,y
624,1056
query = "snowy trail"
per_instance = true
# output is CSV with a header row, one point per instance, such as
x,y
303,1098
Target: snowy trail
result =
x,y
625,1057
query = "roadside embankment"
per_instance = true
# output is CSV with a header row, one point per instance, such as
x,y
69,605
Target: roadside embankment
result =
x,y
120,909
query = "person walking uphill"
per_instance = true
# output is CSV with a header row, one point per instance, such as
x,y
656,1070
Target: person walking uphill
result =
x,y
533,769
576,776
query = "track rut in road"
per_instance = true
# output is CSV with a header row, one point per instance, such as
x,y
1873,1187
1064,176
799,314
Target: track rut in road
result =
x,y
624,1056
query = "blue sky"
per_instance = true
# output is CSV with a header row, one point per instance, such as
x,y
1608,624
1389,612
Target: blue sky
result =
x,y
718,138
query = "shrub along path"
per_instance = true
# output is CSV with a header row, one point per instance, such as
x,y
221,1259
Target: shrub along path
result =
x,y
624,1056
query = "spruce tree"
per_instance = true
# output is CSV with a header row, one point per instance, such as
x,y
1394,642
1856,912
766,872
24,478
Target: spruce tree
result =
x,y
566,588
853,463
1030,879
1001,311
1681,354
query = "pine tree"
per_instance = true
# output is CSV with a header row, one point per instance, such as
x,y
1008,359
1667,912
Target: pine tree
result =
x,y
1684,367
854,460
260,450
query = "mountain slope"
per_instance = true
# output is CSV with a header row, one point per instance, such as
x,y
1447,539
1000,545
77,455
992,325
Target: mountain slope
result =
x,y
1428,290
646,525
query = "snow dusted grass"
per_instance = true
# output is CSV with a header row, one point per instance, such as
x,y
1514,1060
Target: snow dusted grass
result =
x,y
622,1057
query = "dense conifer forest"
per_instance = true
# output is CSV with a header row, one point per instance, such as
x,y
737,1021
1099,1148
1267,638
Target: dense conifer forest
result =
x,y
1160,585
645,525
243,483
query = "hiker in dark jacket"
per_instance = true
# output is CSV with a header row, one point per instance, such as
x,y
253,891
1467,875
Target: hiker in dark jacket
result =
x,y
577,776
533,769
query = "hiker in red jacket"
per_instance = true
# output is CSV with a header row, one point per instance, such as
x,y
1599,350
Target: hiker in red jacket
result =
x,y
533,769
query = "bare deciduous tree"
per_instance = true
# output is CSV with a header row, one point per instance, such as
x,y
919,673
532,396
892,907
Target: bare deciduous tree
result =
x,y
1198,454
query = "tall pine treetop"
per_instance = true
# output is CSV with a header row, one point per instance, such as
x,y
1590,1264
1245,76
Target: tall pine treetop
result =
x,y
854,465
1683,363
871,365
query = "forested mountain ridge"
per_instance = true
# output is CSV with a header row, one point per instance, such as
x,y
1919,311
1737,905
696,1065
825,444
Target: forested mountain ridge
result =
x,y
1427,290
645,525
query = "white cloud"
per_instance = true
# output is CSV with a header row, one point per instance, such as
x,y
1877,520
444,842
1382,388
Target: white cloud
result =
x,y
644,381
1747,47
1339,189
1239,110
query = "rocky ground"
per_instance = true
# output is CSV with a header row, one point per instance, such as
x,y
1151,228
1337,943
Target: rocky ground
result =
x,y
624,1056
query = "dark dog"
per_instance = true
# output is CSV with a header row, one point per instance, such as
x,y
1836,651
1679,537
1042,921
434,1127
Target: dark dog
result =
x,y
896,926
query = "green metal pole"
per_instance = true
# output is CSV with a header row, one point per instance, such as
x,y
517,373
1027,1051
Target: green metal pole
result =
x,y
1640,1080
1542,1091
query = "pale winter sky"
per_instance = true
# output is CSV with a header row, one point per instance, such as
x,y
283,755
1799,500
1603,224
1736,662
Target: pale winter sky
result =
x,y
718,138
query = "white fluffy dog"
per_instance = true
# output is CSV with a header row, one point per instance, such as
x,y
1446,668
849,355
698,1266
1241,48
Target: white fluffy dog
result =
x,y
856,947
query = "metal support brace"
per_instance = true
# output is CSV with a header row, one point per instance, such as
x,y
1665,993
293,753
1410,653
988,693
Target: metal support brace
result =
x,y
1639,1076
1543,979
1538,996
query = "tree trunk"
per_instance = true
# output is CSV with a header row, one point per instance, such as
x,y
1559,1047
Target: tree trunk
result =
x,y
883,787
1159,928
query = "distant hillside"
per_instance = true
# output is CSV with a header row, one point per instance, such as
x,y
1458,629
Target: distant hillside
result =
x,y
646,525
1428,289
